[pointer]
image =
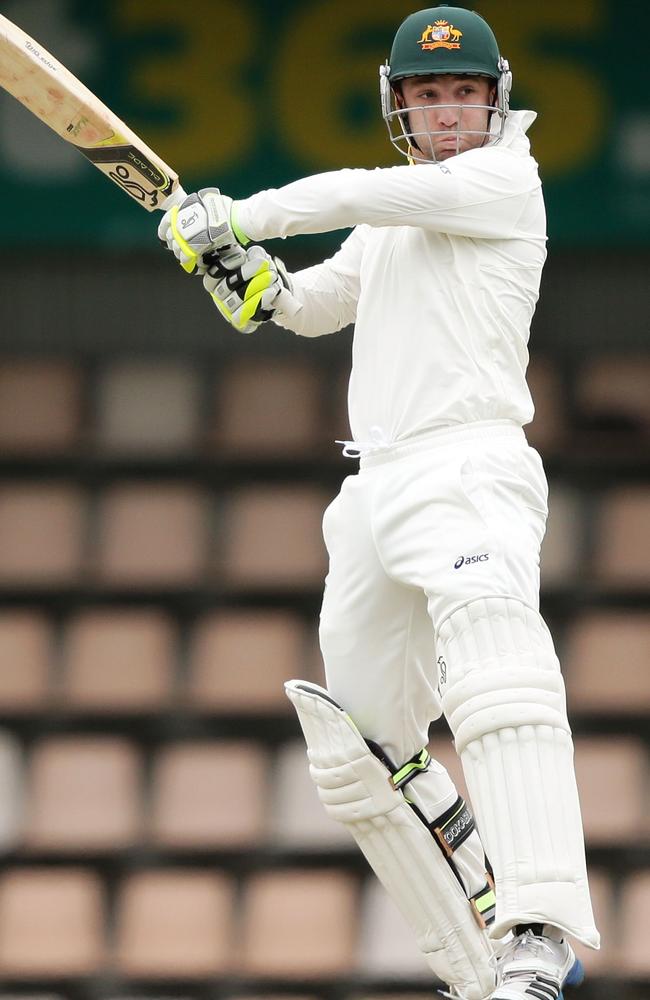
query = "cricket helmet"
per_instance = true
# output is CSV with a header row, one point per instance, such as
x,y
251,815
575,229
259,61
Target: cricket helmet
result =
x,y
442,40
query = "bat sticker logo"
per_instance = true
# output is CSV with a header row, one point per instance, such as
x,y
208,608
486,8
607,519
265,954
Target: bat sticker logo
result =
x,y
122,176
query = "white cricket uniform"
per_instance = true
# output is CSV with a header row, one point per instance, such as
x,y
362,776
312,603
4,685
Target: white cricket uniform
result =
x,y
440,277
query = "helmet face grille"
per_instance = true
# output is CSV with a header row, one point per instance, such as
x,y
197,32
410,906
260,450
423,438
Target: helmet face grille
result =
x,y
433,145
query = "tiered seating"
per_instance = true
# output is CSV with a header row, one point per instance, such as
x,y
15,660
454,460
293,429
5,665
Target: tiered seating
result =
x,y
156,809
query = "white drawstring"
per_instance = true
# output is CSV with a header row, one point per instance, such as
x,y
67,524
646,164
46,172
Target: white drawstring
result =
x,y
356,449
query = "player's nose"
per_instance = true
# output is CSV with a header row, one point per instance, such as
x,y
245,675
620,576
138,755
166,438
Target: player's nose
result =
x,y
447,116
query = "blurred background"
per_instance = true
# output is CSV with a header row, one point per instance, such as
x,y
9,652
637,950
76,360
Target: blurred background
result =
x,y
162,481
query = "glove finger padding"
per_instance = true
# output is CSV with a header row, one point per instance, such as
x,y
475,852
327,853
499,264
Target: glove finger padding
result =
x,y
243,286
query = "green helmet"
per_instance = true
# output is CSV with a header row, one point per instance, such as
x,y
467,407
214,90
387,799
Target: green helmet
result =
x,y
442,40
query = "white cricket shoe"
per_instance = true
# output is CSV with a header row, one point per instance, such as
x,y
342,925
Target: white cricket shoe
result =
x,y
535,967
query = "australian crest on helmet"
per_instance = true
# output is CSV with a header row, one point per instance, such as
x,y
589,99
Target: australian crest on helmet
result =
x,y
441,34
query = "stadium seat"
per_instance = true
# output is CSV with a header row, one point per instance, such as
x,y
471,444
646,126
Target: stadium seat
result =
x,y
83,794
40,406
547,432
562,548
634,954
147,406
606,659
273,538
51,923
622,548
174,923
151,535
41,533
299,924
208,794
239,660
613,395
387,945
118,660
267,408
26,645
297,819
11,790
611,774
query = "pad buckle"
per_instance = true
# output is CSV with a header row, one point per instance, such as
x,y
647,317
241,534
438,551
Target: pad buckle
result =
x,y
484,903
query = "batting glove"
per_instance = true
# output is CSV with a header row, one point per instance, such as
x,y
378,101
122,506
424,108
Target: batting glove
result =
x,y
245,285
202,224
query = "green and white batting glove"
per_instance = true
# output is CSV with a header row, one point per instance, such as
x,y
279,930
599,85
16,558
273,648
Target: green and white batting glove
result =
x,y
245,285
202,224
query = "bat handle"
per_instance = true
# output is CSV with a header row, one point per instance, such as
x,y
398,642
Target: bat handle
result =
x,y
175,198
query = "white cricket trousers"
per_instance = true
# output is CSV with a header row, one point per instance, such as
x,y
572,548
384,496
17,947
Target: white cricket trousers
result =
x,y
422,528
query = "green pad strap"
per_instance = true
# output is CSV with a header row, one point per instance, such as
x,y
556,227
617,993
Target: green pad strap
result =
x,y
419,762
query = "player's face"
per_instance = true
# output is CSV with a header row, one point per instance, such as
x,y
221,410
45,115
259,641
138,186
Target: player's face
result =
x,y
446,110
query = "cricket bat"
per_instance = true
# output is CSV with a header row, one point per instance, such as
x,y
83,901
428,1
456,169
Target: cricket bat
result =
x,y
58,98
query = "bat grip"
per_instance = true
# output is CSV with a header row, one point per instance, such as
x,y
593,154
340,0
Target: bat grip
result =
x,y
177,196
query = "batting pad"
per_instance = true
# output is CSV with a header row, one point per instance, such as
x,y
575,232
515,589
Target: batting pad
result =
x,y
503,696
357,789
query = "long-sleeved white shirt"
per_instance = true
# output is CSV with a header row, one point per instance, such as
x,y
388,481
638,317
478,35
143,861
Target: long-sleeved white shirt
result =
x,y
440,276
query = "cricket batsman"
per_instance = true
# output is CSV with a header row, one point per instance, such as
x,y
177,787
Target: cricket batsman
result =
x,y
431,603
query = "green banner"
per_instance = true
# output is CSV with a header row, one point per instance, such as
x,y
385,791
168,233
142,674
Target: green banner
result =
x,y
247,95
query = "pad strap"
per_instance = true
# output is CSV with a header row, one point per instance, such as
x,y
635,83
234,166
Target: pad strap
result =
x,y
449,830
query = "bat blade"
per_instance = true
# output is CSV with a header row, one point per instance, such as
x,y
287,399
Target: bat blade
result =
x,y
51,92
